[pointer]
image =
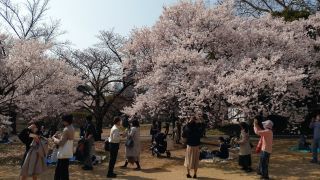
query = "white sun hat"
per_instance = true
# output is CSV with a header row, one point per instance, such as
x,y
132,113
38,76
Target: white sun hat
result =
x,y
268,124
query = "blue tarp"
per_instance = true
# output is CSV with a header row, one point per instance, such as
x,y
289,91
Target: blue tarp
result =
x,y
49,162
296,149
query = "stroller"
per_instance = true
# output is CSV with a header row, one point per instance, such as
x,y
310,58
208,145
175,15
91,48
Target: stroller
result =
x,y
160,146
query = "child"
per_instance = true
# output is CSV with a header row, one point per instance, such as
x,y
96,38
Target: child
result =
x,y
266,146
223,152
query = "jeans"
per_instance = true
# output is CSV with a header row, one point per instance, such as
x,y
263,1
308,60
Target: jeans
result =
x,y
88,158
114,147
264,164
62,170
315,146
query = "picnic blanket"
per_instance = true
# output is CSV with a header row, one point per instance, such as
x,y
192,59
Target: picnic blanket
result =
x,y
296,149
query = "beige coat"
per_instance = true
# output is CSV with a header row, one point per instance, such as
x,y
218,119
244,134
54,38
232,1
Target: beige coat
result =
x,y
133,153
35,162
244,142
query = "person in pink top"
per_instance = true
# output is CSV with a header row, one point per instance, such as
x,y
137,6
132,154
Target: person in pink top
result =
x,y
266,136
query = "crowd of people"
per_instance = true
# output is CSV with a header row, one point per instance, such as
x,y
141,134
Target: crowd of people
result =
x,y
36,142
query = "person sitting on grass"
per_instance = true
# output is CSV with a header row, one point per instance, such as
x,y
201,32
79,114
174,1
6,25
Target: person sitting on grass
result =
x,y
303,144
223,152
315,125
266,146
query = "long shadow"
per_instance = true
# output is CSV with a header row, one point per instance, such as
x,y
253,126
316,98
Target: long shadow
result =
x,y
131,177
206,178
154,170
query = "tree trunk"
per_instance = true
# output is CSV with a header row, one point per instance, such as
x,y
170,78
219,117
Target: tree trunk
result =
x,y
13,119
99,122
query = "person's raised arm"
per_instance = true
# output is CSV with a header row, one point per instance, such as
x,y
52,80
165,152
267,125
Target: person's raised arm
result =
x,y
63,139
257,128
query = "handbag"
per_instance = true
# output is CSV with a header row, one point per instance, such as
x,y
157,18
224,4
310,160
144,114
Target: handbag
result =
x,y
259,146
129,143
107,145
65,151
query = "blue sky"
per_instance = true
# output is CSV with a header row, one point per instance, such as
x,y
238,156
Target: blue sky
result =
x,y
83,19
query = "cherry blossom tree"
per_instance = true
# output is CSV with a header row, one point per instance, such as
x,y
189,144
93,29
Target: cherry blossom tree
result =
x,y
37,84
209,58
27,20
101,69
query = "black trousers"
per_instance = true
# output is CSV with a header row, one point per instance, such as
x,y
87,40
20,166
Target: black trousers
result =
x,y
62,170
245,161
114,147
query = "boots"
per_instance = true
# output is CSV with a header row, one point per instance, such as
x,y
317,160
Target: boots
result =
x,y
138,166
125,164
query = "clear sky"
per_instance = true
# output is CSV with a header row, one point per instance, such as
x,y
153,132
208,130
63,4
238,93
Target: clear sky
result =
x,y
83,19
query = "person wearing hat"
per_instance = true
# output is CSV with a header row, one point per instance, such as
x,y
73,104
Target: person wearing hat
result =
x,y
62,168
266,146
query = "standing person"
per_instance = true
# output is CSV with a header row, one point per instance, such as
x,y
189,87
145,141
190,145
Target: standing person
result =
x,y
114,141
35,161
192,135
173,121
29,134
315,125
167,127
245,148
153,130
159,126
66,139
177,133
266,146
133,153
89,135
